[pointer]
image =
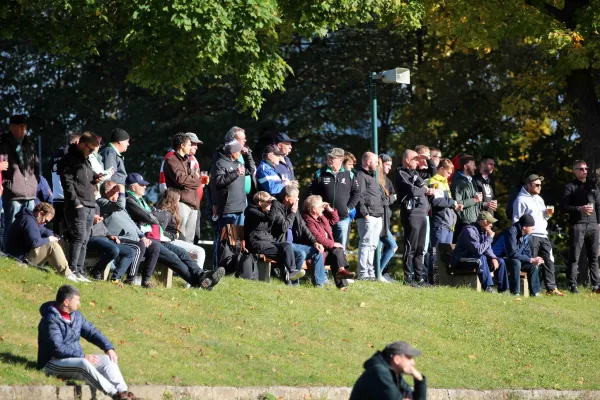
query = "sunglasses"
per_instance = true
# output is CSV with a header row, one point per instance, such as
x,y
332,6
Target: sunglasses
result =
x,y
537,185
582,168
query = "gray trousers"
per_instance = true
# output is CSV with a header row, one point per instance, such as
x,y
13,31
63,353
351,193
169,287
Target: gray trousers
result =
x,y
106,376
368,233
189,218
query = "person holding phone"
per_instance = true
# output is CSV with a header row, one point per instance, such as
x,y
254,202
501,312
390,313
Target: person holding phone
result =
x,y
79,182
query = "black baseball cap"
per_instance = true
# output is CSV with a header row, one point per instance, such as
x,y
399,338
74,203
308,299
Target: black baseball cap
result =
x,y
18,119
526,220
283,137
135,178
400,348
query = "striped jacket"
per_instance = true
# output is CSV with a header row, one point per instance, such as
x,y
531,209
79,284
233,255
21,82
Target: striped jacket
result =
x,y
268,178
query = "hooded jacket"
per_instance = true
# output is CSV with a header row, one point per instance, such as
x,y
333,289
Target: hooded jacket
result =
x,y
578,194
59,338
115,160
464,191
116,219
77,179
340,190
227,186
25,234
257,228
525,203
178,175
442,204
512,244
380,382
411,192
371,195
284,219
20,180
472,242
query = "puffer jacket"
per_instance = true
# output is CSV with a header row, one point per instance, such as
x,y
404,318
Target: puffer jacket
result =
x,y
442,204
463,191
257,228
20,180
227,188
59,338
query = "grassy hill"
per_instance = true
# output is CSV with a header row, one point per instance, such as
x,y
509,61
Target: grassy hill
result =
x,y
255,334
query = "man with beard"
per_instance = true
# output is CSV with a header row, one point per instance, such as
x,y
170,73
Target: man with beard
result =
x,y
486,184
464,191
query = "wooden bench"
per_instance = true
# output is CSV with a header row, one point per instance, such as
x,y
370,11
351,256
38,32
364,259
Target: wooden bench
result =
x,y
452,277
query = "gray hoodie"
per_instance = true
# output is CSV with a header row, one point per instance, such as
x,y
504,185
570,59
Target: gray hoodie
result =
x,y
525,203
116,219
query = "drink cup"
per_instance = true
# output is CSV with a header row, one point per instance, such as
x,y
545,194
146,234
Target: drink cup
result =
x,y
480,195
592,208
204,177
550,210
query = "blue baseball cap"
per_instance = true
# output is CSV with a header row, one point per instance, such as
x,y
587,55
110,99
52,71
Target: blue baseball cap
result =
x,y
135,178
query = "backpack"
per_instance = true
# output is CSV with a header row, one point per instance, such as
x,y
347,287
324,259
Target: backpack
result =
x,y
247,266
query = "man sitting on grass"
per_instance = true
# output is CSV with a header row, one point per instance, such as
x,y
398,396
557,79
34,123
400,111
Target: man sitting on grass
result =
x,y
29,240
60,352
382,379
474,247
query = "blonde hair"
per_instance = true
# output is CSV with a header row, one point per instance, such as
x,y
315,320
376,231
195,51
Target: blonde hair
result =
x,y
261,196
311,202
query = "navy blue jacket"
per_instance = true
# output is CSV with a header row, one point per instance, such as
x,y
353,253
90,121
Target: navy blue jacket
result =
x,y
25,234
59,338
472,242
512,244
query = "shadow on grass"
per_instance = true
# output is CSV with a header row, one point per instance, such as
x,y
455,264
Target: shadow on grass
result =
x,y
9,358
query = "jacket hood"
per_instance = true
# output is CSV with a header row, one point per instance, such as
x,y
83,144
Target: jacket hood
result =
x,y
74,150
48,308
26,211
377,361
524,192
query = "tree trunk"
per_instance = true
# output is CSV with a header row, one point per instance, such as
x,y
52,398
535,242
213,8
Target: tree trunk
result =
x,y
583,101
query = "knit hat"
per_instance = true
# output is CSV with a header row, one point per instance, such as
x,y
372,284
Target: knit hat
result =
x,y
118,135
526,220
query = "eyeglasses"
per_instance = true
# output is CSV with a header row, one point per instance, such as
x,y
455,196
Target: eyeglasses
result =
x,y
582,168
538,185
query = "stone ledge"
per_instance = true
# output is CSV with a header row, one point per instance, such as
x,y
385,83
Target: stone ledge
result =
x,y
163,392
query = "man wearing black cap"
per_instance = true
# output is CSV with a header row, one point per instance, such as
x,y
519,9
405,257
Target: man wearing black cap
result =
x,y
514,246
530,202
581,200
20,170
267,176
383,376
285,167
112,154
474,245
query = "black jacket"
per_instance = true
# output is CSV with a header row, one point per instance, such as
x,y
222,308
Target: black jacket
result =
x,y
284,219
487,186
257,228
227,187
167,222
137,212
578,194
428,172
411,192
387,210
77,178
340,190
380,382
371,198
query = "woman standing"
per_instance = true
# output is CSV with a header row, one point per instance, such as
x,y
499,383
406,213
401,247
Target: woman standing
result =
x,y
387,245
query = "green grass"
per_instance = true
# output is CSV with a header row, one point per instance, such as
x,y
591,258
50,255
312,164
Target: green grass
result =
x,y
255,334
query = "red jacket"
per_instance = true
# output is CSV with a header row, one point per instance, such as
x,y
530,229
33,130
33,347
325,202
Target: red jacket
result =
x,y
321,227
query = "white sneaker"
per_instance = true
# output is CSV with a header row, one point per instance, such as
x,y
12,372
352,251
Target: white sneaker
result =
x,y
382,279
72,277
82,278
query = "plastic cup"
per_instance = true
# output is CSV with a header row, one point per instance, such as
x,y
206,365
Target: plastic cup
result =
x,y
550,210
204,177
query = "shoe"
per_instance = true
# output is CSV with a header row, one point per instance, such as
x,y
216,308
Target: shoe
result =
x,y
97,275
216,276
423,283
364,278
389,278
130,280
147,285
126,396
209,279
536,295
596,290
82,278
382,279
349,281
554,292
343,273
489,289
72,277
573,289
297,274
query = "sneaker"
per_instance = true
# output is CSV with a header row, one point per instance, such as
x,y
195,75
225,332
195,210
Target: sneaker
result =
x,y
596,290
364,278
72,277
536,295
297,274
573,289
147,285
489,289
209,279
343,273
97,275
423,283
126,396
554,292
130,280
382,279
216,276
82,278
389,278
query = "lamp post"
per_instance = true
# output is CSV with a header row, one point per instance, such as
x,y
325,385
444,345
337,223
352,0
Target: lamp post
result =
x,y
396,76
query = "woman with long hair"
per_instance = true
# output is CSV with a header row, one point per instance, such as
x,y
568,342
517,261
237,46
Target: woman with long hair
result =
x,y
387,243
168,215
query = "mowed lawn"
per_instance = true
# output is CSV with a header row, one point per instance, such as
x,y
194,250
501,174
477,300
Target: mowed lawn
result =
x,y
254,334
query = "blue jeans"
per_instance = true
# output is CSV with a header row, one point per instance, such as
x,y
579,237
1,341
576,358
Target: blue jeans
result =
x,y
340,231
11,208
439,235
387,246
514,274
500,275
122,254
302,252
225,219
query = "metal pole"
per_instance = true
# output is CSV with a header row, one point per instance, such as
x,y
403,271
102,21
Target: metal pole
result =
x,y
373,95
40,152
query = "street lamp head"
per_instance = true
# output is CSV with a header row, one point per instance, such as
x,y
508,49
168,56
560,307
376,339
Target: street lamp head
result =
x,y
396,75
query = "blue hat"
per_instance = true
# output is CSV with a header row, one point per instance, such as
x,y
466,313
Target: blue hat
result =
x,y
283,137
135,178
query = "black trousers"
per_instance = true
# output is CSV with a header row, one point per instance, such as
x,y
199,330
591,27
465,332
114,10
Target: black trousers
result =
x,y
542,247
149,254
59,225
415,231
79,222
180,262
584,235
279,251
336,259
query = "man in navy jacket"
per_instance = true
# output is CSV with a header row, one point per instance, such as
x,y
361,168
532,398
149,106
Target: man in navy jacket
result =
x,y
60,352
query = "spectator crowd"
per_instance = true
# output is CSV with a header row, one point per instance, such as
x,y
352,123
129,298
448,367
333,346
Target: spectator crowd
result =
x,y
95,204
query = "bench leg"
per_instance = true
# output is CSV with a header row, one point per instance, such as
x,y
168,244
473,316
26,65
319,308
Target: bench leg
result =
x,y
106,272
264,271
524,286
165,275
